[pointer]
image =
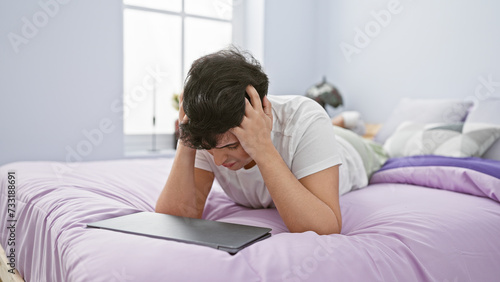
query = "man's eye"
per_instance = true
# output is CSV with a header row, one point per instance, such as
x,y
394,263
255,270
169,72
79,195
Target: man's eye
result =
x,y
233,147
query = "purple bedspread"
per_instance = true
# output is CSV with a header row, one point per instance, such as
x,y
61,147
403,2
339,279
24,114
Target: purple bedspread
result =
x,y
391,231
486,166
475,176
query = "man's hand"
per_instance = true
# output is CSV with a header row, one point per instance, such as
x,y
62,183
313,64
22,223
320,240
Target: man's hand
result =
x,y
254,132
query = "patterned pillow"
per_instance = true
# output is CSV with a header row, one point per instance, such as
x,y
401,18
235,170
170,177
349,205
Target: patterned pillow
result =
x,y
452,140
486,111
423,111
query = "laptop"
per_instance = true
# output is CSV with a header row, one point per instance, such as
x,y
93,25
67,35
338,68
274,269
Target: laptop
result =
x,y
224,236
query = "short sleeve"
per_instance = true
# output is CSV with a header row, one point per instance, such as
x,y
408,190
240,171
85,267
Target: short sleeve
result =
x,y
202,160
317,149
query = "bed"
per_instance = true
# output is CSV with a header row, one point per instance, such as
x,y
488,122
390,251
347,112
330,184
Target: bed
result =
x,y
422,218
406,225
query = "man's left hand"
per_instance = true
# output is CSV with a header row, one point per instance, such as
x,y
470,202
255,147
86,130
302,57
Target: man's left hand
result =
x,y
254,132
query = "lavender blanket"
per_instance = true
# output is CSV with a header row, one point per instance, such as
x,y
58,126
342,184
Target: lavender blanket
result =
x,y
398,231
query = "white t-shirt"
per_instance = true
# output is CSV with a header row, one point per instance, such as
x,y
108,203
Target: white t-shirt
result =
x,y
303,135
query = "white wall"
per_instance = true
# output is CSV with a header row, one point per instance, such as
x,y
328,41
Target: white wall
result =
x,y
62,81
292,45
248,26
429,49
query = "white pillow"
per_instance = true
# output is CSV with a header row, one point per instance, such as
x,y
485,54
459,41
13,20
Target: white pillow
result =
x,y
487,111
423,111
452,140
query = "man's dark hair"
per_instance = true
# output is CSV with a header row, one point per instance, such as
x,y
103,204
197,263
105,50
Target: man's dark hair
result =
x,y
214,95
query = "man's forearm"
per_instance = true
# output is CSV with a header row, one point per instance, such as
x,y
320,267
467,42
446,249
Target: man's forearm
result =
x,y
299,208
179,194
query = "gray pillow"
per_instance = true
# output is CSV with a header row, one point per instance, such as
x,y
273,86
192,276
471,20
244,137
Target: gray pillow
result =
x,y
452,140
423,111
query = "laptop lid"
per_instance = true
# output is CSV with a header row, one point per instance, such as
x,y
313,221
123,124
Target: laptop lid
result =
x,y
229,237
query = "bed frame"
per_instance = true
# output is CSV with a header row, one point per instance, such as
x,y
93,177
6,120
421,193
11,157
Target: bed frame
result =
x,y
5,275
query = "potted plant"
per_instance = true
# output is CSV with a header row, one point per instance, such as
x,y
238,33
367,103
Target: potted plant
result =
x,y
175,104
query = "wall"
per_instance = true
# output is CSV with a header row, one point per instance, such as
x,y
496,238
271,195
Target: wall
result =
x,y
292,45
248,26
62,90
426,49
61,80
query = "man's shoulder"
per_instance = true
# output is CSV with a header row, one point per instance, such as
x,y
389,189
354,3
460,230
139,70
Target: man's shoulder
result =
x,y
295,105
292,112
289,99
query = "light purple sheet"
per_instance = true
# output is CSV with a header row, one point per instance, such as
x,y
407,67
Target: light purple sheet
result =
x,y
391,232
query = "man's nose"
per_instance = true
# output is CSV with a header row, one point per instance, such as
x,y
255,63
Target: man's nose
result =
x,y
219,156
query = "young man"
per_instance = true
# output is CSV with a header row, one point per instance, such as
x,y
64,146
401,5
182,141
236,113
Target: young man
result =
x,y
278,151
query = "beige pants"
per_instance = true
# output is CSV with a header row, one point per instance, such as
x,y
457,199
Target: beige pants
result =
x,y
372,154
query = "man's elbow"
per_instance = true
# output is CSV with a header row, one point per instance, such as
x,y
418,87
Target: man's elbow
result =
x,y
166,209
320,229
160,208
328,229
330,226
178,210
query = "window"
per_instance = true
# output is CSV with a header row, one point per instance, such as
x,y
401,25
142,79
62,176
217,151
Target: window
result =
x,y
161,40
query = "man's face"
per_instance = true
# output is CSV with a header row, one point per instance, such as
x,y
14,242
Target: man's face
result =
x,y
230,153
